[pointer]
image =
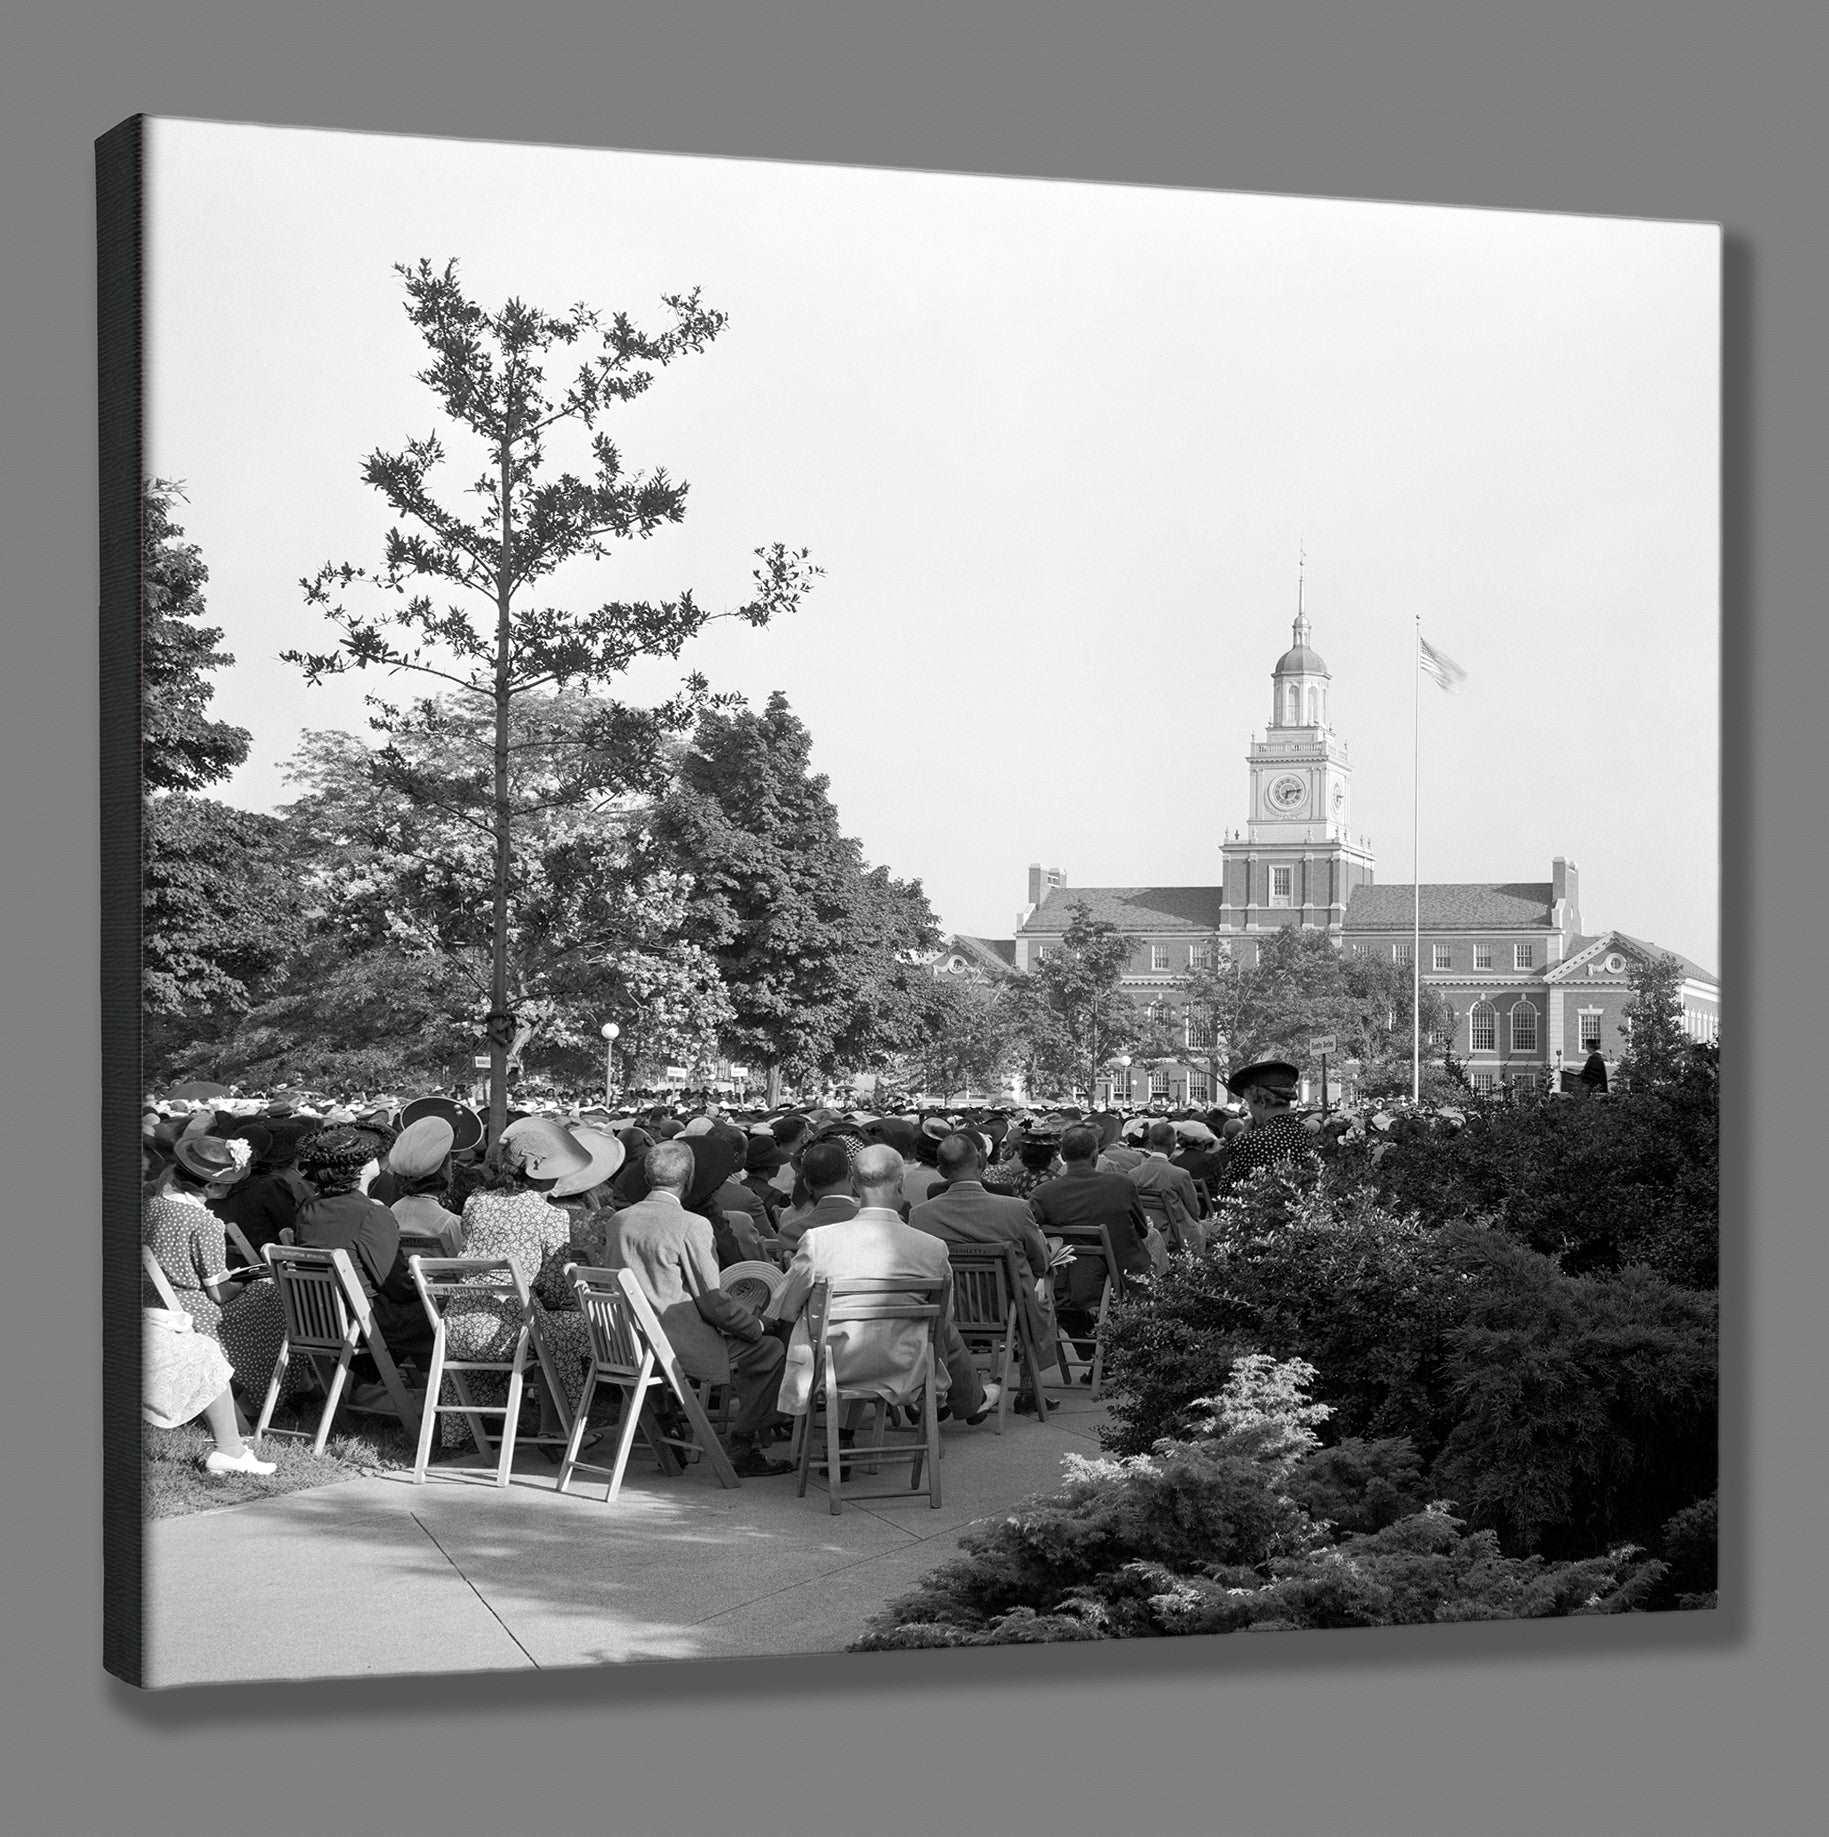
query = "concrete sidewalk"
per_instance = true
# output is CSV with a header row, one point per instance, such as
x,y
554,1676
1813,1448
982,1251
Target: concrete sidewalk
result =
x,y
381,1576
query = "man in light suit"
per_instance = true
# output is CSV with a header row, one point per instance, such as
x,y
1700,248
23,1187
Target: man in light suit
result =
x,y
871,1356
968,1213
672,1255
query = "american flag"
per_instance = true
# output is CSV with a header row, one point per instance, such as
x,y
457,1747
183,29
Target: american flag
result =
x,y
1431,662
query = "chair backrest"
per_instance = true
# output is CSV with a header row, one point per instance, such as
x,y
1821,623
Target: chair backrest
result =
x,y
154,1272
620,1318
442,1279
238,1242
1090,1240
423,1244
836,1300
320,1295
984,1286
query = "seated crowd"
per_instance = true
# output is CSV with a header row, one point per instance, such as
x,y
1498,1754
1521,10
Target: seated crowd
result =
x,y
675,1199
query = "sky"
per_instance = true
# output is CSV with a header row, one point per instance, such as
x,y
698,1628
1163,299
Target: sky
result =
x,y
1063,452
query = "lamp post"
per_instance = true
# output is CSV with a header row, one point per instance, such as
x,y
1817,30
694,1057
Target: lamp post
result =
x,y
610,1032
1122,1062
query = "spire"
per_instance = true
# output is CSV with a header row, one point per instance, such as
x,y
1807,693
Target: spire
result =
x,y
1303,631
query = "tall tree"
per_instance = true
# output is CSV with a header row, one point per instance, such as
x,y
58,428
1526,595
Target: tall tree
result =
x,y
1657,1048
1302,985
217,915
498,646
1076,1016
805,936
402,887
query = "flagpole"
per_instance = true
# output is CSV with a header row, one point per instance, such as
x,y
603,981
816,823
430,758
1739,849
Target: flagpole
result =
x,y
1416,876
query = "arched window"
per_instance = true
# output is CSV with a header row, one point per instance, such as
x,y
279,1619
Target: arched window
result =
x,y
1483,1027
1314,707
1524,1027
1292,711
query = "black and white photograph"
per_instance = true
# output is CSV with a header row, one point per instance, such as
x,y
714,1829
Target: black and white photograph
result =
x,y
888,909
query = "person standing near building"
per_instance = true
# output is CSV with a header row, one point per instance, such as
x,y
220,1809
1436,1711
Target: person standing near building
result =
x,y
1593,1075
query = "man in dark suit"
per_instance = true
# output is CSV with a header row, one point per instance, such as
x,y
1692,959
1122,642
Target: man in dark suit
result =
x,y
967,1213
1084,1196
826,1169
1169,1186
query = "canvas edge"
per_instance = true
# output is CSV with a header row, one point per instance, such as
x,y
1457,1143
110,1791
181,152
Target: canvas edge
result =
x,y
120,377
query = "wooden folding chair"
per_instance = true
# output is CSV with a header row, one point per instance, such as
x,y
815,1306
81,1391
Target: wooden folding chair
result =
x,y
1089,1241
154,1272
631,1351
988,1311
237,1240
885,1299
442,1280
328,1320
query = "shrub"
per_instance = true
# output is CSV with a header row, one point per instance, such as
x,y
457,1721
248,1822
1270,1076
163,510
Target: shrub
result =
x,y
1306,1266
1600,1184
1585,1408
1209,1535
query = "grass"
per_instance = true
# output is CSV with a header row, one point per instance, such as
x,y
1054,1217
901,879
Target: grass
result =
x,y
176,1483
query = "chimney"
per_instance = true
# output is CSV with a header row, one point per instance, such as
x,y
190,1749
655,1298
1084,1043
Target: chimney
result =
x,y
1042,882
1565,894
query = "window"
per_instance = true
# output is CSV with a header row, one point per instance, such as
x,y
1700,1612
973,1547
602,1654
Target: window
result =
x,y
1158,956
1197,1087
1400,953
1200,1030
1484,1082
1041,953
1523,956
1482,956
1483,1027
1523,1027
1282,886
1120,1086
1442,957
1587,1029
1158,1085
1291,711
1199,957
1314,707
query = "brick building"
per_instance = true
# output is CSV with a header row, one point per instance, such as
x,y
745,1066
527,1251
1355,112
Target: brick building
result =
x,y
1529,988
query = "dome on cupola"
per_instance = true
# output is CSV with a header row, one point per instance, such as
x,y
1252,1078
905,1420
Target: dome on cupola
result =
x,y
1301,659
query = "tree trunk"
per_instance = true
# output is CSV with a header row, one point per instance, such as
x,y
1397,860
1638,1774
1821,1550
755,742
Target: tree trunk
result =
x,y
774,1083
498,943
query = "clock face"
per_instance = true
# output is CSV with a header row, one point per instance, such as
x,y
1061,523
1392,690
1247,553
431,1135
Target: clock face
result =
x,y
1339,799
1287,793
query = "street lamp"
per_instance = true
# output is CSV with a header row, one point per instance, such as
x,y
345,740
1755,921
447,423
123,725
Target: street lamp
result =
x,y
610,1031
1122,1062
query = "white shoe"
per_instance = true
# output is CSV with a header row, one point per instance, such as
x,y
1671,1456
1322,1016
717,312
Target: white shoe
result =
x,y
993,1393
244,1462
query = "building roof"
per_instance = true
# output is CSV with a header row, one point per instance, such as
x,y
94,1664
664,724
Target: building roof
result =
x,y
991,954
1452,906
1303,660
1131,908
1644,947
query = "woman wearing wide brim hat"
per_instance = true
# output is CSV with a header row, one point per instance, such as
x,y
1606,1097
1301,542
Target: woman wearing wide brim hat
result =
x,y
514,1216
581,1195
1275,1138
192,1248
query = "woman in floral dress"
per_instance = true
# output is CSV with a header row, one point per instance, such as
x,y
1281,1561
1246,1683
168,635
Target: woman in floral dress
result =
x,y
244,1318
513,1217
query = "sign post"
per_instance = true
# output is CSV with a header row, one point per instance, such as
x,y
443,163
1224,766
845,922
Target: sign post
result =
x,y
1321,1045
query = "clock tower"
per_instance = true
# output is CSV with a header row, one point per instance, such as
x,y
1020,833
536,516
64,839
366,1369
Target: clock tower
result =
x,y
1297,862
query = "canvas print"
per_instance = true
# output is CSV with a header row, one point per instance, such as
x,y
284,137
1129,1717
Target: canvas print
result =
x,y
885,909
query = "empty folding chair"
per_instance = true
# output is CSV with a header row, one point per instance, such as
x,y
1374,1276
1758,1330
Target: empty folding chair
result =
x,y
630,1351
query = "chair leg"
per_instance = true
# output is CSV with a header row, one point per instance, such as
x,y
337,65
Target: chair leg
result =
x,y
279,1377
575,1440
428,1421
511,1421
634,1403
332,1398
1098,1340
932,1425
835,1456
